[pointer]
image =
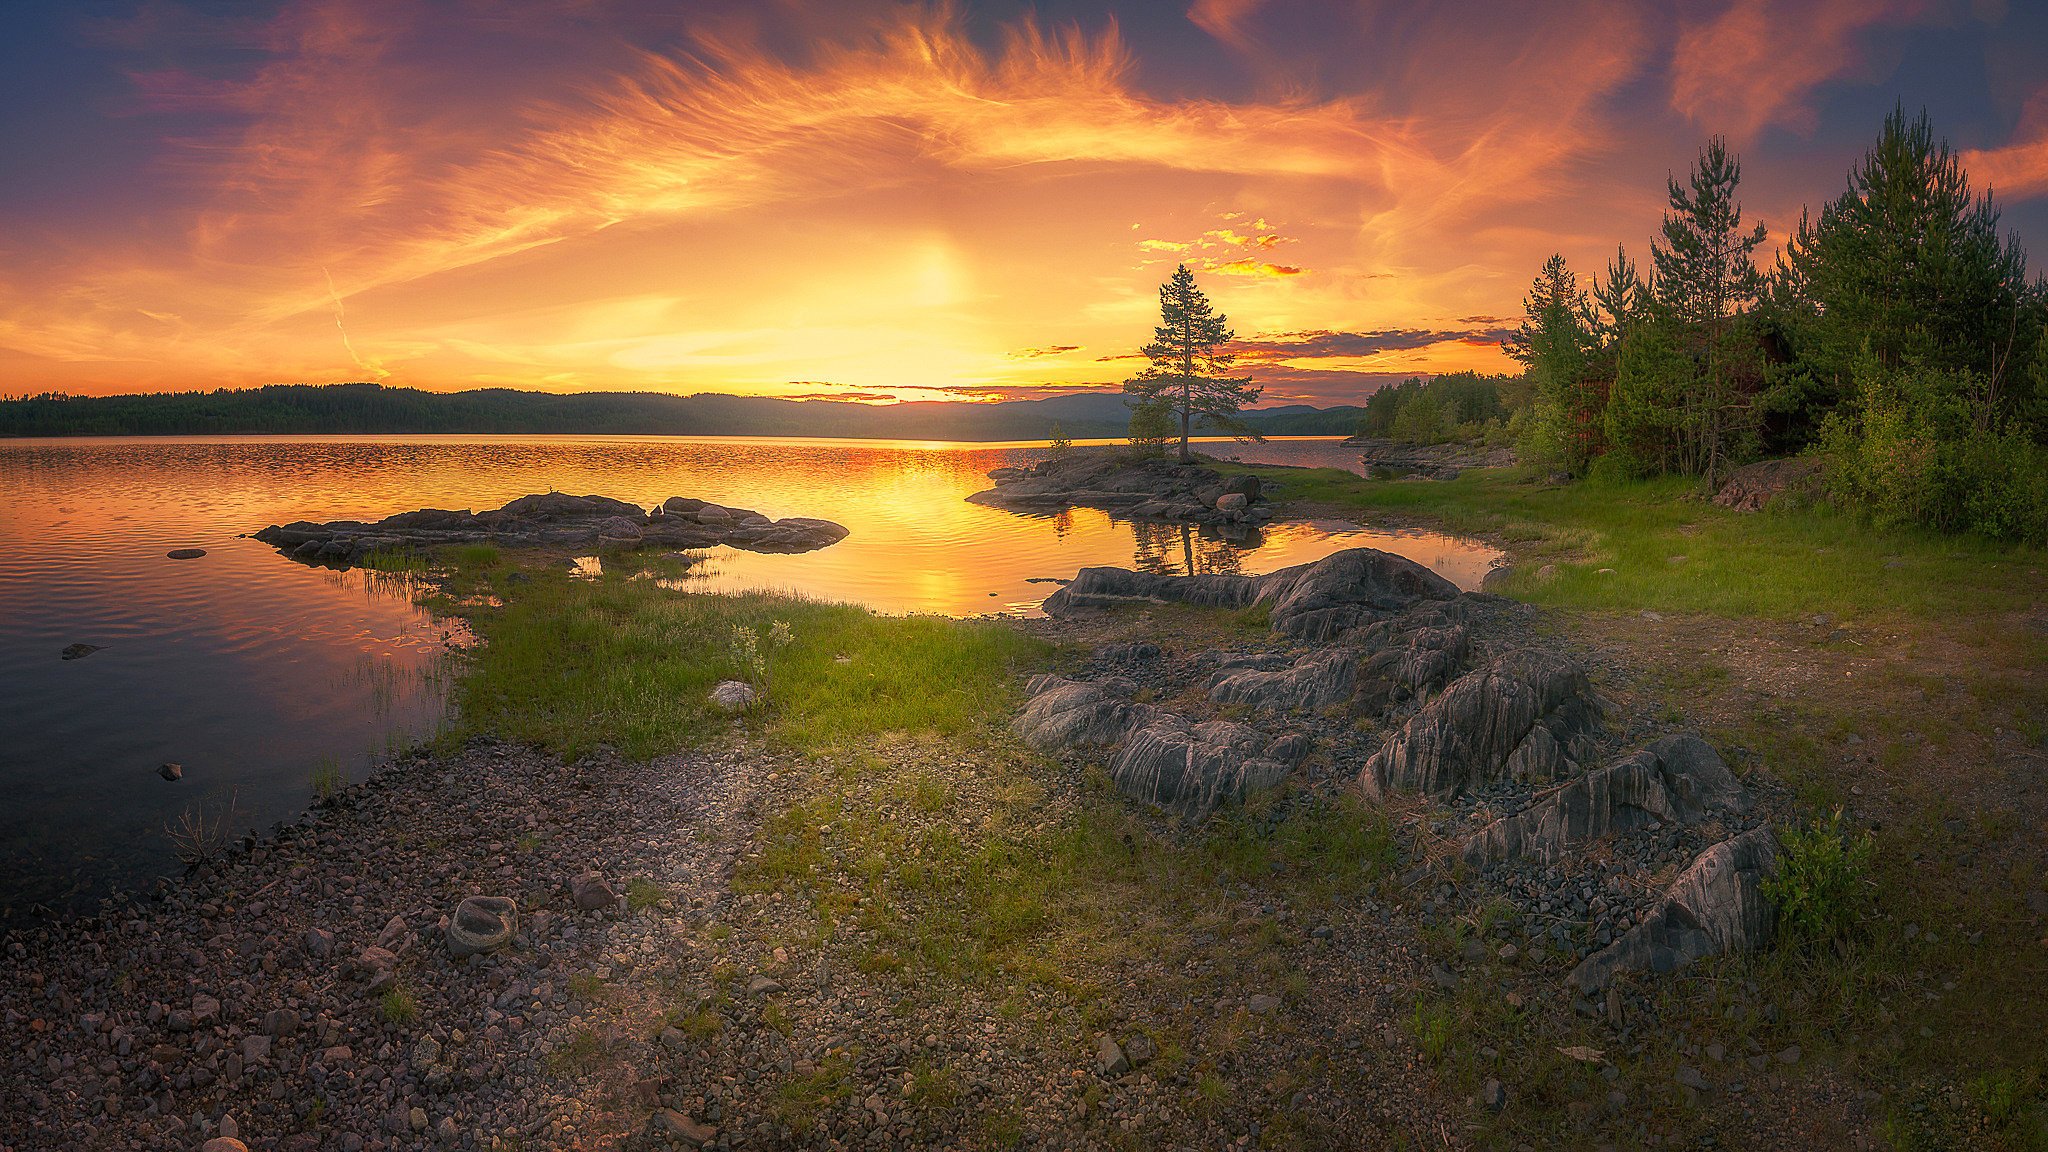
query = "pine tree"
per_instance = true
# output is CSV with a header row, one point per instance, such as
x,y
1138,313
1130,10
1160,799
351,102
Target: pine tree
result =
x,y
1624,299
1705,274
1908,261
1190,369
1555,344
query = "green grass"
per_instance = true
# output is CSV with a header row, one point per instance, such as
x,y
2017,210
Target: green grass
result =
x,y
327,778
1773,564
399,1006
570,664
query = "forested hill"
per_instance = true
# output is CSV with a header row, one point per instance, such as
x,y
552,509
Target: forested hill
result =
x,y
372,408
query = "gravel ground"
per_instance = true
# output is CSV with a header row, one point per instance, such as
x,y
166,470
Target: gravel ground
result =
x,y
245,1000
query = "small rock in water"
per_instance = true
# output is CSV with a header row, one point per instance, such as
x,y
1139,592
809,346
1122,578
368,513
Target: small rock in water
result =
x,y
730,695
186,553
171,771
81,651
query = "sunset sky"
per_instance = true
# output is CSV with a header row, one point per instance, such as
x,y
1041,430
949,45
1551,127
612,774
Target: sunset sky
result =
x,y
873,200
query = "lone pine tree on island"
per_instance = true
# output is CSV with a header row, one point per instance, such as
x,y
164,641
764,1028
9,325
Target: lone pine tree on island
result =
x,y
1190,369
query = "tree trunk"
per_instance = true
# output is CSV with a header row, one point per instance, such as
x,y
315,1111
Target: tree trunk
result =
x,y
1185,400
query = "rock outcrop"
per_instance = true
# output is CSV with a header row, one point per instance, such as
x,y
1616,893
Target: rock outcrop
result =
x,y
1065,713
1676,780
554,521
1752,486
1133,489
1716,906
1314,601
1194,767
1526,717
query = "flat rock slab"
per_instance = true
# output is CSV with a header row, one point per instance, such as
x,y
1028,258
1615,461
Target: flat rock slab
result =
x,y
185,553
554,522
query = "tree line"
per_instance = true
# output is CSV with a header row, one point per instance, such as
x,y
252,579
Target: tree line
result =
x,y
1896,335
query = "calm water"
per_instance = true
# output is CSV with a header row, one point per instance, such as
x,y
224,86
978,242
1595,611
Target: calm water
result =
x,y
254,672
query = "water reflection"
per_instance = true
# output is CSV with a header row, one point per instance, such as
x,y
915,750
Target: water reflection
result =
x,y
252,671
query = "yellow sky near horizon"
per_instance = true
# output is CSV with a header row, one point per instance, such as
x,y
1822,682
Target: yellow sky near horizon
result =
x,y
866,201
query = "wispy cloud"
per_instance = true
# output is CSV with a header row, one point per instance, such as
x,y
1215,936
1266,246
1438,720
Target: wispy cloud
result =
x,y
1758,61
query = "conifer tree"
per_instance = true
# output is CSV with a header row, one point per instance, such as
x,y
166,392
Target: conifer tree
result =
x,y
1555,343
1190,367
1705,274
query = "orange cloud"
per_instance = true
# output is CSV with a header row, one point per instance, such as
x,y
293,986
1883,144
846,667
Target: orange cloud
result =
x,y
2019,170
1757,62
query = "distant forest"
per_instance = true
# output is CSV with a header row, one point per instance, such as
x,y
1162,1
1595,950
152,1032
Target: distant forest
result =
x,y
374,409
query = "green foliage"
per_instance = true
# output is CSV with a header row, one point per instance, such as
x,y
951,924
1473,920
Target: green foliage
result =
x,y
399,1006
749,649
327,779
1058,442
1820,887
1151,428
1925,448
1556,344
1908,266
1191,365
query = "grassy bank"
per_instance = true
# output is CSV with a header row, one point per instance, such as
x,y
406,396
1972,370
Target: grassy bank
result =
x,y
1893,673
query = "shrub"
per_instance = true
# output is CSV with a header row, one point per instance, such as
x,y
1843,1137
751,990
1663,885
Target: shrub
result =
x,y
1923,449
1820,888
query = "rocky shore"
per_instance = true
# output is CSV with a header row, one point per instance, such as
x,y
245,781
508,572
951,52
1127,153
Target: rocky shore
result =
x,y
1386,459
554,522
1383,674
1149,489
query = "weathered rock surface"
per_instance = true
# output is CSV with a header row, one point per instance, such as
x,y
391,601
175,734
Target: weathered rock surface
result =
x,y
1526,717
1389,458
1314,601
733,695
1715,906
1676,780
1752,486
1317,680
1135,489
555,521
481,924
1063,713
1193,767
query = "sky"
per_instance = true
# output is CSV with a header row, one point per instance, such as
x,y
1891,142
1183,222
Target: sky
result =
x,y
885,201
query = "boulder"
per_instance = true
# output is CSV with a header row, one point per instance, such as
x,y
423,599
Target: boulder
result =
x,y
1716,906
481,924
1411,656
733,695
1192,768
1063,713
1314,601
1526,716
590,893
1752,486
1676,780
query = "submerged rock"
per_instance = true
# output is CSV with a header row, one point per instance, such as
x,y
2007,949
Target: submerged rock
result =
x,y
81,651
1715,906
1677,780
1526,717
185,553
555,521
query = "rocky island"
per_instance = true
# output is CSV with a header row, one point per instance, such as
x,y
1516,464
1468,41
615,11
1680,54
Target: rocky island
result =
x,y
1145,489
556,522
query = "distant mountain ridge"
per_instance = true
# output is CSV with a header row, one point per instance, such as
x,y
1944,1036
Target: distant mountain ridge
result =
x,y
332,409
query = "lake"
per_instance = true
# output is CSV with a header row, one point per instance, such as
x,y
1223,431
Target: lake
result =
x,y
254,672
